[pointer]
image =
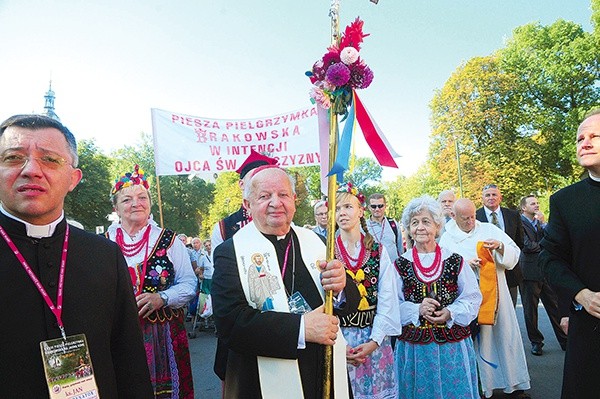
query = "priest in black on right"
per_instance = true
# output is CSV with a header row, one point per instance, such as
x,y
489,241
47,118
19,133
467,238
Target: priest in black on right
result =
x,y
570,259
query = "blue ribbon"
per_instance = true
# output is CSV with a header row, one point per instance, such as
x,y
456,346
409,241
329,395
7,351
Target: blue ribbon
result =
x,y
489,363
343,154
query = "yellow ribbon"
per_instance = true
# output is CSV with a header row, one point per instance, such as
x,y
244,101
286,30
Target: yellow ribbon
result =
x,y
358,277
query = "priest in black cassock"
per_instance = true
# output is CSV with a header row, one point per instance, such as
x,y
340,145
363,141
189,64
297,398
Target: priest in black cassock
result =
x,y
267,297
38,167
570,259
225,229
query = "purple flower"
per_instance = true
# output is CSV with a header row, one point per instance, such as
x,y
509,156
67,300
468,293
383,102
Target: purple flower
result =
x,y
367,78
361,75
338,74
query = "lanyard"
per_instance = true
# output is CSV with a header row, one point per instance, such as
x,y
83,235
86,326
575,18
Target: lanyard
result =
x,y
287,252
382,229
285,261
57,310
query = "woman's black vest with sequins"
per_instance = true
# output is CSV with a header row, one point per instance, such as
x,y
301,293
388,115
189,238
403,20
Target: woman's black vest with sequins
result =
x,y
364,318
446,291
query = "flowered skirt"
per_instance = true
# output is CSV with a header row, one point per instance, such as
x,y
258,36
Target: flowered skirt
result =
x,y
437,371
376,378
168,356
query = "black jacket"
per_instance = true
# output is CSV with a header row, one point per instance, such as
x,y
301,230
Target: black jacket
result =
x,y
98,302
530,251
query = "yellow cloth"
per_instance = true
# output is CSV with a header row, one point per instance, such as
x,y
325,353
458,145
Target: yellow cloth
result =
x,y
358,278
488,285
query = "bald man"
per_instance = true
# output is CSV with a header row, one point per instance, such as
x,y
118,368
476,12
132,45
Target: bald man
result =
x,y
501,363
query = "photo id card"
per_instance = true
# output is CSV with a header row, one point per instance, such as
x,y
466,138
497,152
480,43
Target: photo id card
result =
x,y
298,304
68,368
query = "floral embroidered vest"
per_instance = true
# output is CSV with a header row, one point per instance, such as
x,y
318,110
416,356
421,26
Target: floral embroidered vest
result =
x,y
160,273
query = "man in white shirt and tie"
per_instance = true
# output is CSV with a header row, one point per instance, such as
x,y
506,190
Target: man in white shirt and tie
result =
x,y
507,220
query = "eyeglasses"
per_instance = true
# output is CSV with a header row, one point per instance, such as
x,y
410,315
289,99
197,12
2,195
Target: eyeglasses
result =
x,y
376,206
19,161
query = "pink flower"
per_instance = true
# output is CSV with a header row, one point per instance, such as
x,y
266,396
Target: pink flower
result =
x,y
349,55
338,74
320,97
318,72
161,252
330,58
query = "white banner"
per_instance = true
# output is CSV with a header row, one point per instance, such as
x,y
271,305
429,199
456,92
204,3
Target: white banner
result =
x,y
185,144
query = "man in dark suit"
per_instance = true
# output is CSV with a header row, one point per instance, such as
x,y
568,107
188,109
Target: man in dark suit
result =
x,y
535,286
265,283
570,261
507,220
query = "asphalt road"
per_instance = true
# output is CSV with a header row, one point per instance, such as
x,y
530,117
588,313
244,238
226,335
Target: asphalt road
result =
x,y
545,371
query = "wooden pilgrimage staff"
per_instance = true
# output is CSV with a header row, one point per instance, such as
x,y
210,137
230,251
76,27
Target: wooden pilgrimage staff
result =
x,y
331,194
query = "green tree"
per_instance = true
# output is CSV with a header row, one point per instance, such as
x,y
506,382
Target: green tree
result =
x,y
226,200
312,180
477,108
304,211
557,71
514,113
365,173
186,202
399,192
88,203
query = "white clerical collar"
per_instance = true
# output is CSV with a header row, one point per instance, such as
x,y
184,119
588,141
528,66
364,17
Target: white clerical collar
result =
x,y
594,178
33,230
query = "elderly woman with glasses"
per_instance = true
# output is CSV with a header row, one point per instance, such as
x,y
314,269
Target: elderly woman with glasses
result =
x,y
369,353
439,297
163,282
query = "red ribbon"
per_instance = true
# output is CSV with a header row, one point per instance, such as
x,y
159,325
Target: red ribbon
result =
x,y
372,135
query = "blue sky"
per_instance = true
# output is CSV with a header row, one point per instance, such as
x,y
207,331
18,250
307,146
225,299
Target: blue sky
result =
x,y
111,61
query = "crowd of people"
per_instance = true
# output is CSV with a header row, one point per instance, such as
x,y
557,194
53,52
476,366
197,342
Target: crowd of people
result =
x,y
420,308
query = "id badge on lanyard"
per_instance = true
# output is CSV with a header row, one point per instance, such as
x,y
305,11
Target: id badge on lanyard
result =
x,y
68,368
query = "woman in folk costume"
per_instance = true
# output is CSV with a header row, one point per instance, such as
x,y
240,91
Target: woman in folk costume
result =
x,y
369,353
163,282
439,297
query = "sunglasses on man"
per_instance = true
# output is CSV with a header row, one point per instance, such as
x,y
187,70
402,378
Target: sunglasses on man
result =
x,y
376,206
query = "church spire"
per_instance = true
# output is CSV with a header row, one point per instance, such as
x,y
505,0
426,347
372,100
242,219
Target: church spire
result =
x,y
49,105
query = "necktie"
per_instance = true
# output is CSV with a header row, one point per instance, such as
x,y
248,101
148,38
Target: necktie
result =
x,y
495,220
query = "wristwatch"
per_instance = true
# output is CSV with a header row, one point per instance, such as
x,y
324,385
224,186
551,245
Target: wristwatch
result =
x,y
164,297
